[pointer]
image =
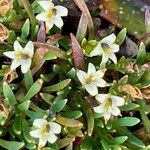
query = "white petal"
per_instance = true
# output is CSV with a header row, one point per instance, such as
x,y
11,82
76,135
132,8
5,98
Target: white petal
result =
x,y
91,89
55,127
58,22
99,109
118,101
10,54
46,5
25,65
39,122
61,11
81,76
49,25
29,49
97,50
52,138
113,57
41,17
110,39
101,83
36,133
115,111
104,58
114,48
17,46
107,116
102,97
42,141
100,73
91,69
15,63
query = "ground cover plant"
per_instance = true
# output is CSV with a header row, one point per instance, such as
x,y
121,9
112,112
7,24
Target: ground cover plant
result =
x,y
75,75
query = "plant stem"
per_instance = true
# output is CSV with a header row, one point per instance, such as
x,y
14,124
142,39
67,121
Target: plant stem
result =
x,y
29,11
145,119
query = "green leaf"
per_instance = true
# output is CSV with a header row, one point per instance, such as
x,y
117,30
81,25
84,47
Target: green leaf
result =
x,y
141,56
24,106
11,145
58,87
129,106
50,56
25,29
71,114
47,98
126,121
17,124
35,88
26,130
28,79
121,36
119,140
8,93
105,145
58,106
64,142
86,144
12,36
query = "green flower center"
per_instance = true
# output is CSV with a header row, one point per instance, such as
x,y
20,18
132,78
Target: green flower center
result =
x,y
105,47
90,79
108,104
51,13
45,130
21,55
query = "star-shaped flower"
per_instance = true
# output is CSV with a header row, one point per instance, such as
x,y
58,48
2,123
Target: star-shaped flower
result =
x,y
108,105
92,79
52,14
106,47
45,131
21,56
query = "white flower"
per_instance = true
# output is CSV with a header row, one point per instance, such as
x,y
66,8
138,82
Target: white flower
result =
x,y
52,14
21,56
92,79
106,47
108,105
45,131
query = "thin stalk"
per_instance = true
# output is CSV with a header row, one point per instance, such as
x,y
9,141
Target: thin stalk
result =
x,y
145,119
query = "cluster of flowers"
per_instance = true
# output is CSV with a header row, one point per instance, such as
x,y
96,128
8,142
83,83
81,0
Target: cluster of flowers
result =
x,y
91,80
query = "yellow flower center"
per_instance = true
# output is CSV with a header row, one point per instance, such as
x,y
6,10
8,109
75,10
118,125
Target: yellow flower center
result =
x,y
90,79
108,104
45,130
21,55
51,13
106,48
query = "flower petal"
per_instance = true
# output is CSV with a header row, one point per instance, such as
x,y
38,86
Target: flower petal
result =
x,y
81,76
113,57
110,39
91,89
118,101
100,73
46,5
97,50
41,17
104,58
58,22
10,54
91,69
114,48
49,25
99,109
52,138
29,48
61,11
25,65
39,122
115,111
107,116
55,127
36,133
17,46
101,83
15,63
42,141
102,97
